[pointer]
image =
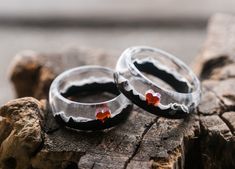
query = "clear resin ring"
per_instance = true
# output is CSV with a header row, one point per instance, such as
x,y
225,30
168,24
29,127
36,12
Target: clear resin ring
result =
x,y
157,82
87,98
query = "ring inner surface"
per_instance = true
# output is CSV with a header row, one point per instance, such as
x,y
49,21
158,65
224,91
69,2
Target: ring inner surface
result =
x,y
160,73
92,93
161,77
87,90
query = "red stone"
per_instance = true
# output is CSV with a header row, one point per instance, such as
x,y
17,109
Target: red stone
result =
x,y
152,98
103,113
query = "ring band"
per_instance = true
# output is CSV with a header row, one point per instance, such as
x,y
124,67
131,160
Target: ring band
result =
x,y
157,82
88,114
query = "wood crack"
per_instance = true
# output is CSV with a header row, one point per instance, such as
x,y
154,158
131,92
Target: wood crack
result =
x,y
140,141
227,123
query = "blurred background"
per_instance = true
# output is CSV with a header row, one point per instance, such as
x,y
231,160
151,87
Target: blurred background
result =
x,y
113,25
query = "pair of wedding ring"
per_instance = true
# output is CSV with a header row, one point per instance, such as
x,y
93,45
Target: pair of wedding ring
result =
x,y
95,97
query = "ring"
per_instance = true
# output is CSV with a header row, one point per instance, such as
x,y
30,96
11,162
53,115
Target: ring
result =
x,y
157,82
86,98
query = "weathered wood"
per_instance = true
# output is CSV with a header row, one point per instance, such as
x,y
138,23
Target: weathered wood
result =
x,y
203,140
216,67
143,140
33,72
21,133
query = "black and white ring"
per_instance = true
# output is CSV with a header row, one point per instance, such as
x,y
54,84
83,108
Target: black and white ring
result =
x,y
82,115
140,69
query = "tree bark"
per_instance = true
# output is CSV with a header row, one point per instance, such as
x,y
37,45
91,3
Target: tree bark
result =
x,y
203,140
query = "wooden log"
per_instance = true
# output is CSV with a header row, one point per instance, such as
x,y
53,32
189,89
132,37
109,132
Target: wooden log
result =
x,y
216,67
203,140
144,140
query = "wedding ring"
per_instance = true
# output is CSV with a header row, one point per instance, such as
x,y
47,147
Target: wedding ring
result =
x,y
87,98
157,82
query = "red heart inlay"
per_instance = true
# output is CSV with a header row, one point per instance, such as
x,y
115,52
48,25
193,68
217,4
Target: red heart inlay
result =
x,y
103,114
152,98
